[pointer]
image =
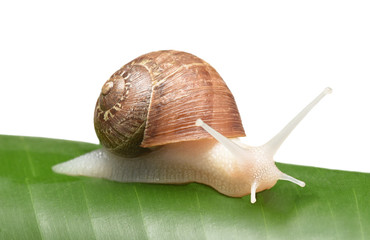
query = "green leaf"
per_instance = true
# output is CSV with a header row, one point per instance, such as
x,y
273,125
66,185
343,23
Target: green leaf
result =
x,y
36,203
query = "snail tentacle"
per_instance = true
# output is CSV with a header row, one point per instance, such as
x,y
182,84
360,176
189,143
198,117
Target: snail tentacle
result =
x,y
273,145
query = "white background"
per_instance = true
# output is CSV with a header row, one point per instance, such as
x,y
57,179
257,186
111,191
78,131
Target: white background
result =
x,y
275,57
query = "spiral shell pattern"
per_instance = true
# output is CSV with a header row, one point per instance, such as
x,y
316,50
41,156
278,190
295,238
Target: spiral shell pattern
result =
x,y
155,100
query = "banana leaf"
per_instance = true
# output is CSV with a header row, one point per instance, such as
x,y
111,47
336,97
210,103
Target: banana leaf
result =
x,y
36,203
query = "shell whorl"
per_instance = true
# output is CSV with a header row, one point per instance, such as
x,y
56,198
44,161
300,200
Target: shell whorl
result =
x,y
155,100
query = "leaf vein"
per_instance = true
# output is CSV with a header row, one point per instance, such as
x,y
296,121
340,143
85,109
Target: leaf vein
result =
x,y
88,209
141,212
33,208
332,216
200,215
29,159
264,220
358,214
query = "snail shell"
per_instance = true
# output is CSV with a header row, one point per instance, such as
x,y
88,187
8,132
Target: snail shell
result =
x,y
156,98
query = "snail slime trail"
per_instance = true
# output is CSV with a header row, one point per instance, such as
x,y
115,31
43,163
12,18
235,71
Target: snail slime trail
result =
x,y
168,117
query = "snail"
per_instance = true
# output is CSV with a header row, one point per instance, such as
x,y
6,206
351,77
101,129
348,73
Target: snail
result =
x,y
168,117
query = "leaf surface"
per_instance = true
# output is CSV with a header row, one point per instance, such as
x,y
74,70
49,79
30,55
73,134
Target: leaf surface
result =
x,y
36,203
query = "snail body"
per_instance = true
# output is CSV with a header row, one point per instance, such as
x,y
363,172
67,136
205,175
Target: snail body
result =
x,y
183,127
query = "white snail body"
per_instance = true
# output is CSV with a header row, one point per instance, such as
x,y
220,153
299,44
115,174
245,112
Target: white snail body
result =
x,y
223,163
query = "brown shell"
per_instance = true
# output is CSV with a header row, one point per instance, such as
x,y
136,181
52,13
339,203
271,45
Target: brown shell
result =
x,y
156,99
